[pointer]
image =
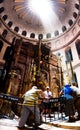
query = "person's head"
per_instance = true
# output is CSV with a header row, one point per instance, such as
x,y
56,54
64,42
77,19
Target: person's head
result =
x,y
74,84
47,88
34,87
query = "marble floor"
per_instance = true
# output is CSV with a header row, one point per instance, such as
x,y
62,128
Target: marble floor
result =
x,y
47,124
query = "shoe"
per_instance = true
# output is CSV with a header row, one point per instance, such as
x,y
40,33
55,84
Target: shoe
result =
x,y
37,124
72,119
23,127
78,117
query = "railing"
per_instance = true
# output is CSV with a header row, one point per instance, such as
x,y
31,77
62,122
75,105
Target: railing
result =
x,y
58,101
11,98
59,112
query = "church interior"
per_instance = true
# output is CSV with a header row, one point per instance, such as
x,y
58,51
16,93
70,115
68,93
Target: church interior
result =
x,y
39,44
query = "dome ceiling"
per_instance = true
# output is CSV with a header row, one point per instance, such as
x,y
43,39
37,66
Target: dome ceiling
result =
x,y
21,17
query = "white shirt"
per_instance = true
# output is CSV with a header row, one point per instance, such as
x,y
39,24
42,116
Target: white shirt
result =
x,y
48,95
75,89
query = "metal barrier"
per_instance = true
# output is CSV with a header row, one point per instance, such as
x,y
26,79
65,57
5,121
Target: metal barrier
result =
x,y
57,107
60,102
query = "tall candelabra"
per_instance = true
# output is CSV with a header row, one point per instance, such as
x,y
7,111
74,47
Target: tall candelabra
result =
x,y
39,54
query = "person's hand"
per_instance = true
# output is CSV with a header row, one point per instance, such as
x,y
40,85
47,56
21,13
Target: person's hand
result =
x,y
47,98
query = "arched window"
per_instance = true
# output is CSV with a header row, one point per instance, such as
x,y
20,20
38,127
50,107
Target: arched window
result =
x,y
32,35
1,1
4,33
5,17
48,35
1,9
56,33
77,6
68,55
78,48
75,15
24,33
64,28
10,23
70,22
16,29
40,36
1,45
8,53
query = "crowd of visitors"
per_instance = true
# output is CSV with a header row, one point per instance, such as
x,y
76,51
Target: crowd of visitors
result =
x,y
72,103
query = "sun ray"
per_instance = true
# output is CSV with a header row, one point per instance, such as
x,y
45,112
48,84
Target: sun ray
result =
x,y
33,9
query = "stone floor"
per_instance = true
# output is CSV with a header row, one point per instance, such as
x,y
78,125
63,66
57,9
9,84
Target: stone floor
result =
x,y
60,122
56,123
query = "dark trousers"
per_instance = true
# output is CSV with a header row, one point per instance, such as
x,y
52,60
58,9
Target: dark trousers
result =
x,y
69,107
77,105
